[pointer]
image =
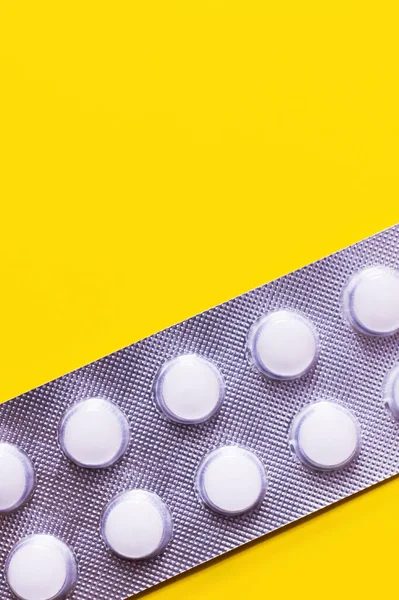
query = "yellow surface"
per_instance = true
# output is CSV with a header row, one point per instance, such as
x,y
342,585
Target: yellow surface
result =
x,y
158,158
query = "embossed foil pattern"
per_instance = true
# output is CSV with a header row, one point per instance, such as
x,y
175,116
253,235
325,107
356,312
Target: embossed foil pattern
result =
x,y
257,412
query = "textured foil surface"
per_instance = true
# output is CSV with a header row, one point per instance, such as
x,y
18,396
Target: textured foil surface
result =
x,y
163,456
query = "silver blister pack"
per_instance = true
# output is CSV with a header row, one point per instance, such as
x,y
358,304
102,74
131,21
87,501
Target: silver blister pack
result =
x,y
162,456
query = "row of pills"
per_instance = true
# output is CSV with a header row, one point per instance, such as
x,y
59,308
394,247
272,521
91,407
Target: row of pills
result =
x,y
325,435
135,525
189,389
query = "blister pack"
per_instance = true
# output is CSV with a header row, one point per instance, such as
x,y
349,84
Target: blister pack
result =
x,y
206,435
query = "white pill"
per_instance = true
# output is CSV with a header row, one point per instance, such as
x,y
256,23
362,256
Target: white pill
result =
x,y
231,480
136,525
371,301
325,435
94,433
391,391
283,344
189,389
17,477
41,567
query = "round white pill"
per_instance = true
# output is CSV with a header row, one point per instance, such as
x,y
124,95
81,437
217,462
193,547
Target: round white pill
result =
x,y
283,344
94,433
231,480
391,391
41,567
371,301
17,477
325,435
136,525
189,389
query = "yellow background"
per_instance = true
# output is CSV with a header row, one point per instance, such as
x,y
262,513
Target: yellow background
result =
x,y
160,157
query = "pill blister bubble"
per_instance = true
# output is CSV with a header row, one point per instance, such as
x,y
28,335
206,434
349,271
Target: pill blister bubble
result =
x,y
371,301
391,391
325,435
41,567
283,344
94,433
189,389
17,477
136,525
231,480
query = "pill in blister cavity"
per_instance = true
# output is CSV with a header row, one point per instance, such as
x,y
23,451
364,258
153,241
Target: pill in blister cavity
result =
x,y
371,301
41,567
391,391
94,433
136,525
189,389
209,489
283,344
231,480
17,477
325,435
